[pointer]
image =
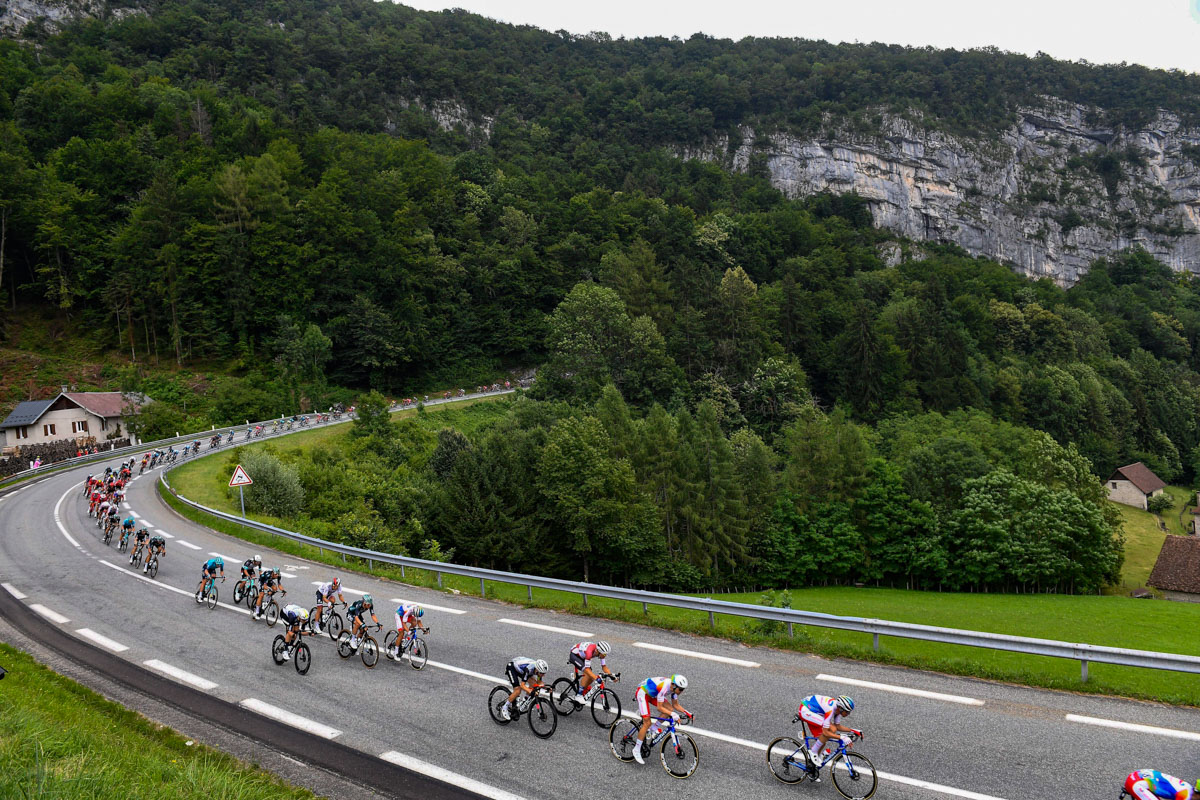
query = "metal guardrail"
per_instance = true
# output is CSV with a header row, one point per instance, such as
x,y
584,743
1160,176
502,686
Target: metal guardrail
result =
x,y
1084,653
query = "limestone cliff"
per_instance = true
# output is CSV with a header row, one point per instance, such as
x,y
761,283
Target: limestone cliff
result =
x,y
1048,196
16,14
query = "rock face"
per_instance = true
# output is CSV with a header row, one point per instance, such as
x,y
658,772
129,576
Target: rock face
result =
x,y
1048,196
16,14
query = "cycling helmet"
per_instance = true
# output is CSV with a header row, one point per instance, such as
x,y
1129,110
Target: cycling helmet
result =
x,y
604,648
302,613
845,704
337,582
367,601
220,561
420,612
258,560
541,666
679,681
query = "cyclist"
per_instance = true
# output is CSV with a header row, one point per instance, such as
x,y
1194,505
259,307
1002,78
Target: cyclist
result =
x,y
325,593
126,528
408,617
355,614
114,515
249,566
269,581
157,545
139,541
581,659
822,716
1150,784
525,675
663,694
210,570
295,617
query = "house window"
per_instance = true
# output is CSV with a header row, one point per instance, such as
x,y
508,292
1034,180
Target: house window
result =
x,y
22,432
103,424
1114,484
48,430
79,426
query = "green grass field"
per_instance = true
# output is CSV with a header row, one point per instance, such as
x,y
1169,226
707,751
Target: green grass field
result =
x,y
1144,537
59,739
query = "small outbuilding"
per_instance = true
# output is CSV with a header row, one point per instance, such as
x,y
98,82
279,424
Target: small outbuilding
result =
x,y
1134,485
72,415
1176,573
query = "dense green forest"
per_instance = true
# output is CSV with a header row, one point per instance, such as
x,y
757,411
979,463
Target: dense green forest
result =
x,y
733,386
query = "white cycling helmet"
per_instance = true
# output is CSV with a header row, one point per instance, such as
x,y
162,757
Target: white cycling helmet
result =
x,y
604,648
258,560
541,666
337,582
679,681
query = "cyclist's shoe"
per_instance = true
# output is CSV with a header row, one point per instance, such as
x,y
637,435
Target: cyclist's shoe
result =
x,y
637,753
504,712
578,699
353,643
259,614
319,628
391,652
287,654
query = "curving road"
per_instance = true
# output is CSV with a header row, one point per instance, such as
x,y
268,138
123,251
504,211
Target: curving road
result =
x,y
929,735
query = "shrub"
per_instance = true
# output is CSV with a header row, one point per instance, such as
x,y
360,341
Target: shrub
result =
x,y
1159,503
276,489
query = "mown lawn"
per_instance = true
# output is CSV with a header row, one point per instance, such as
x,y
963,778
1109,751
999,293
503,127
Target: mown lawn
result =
x,y
59,739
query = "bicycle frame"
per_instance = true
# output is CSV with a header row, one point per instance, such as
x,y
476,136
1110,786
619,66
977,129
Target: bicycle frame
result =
x,y
663,732
809,740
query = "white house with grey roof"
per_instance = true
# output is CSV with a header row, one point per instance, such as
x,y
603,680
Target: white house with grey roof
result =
x,y
70,415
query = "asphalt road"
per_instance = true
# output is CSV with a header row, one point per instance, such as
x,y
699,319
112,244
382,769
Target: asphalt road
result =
x,y
971,738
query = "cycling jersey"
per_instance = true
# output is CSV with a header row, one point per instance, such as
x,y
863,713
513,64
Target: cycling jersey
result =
x,y
141,535
357,609
248,566
127,523
294,614
268,578
213,564
583,653
1150,784
520,670
651,692
819,712
157,541
326,591
406,612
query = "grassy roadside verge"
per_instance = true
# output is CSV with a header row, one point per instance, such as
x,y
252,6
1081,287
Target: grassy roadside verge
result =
x,y
59,739
1113,621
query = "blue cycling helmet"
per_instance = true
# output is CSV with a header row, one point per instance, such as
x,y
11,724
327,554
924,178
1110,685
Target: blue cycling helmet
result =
x,y
420,611
845,704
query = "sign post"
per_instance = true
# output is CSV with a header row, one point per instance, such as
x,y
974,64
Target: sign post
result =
x,y
240,479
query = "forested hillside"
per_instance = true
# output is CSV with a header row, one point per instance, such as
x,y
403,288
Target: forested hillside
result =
x,y
361,194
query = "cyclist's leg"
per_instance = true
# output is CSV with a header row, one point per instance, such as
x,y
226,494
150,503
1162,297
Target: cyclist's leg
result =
x,y
645,705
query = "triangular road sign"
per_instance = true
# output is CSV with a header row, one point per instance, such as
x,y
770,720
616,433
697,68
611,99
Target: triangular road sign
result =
x,y
240,478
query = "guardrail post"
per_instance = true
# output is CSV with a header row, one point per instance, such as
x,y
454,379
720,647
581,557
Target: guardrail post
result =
x,y
712,621
585,601
343,558
370,564
482,588
875,642
530,588
401,570
791,633
439,580
1083,672
645,609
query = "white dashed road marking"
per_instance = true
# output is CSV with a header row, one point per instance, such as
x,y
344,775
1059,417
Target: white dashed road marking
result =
x,y
551,628
181,675
53,616
400,601
14,591
102,640
1133,726
188,544
886,687
163,533
288,718
453,778
693,654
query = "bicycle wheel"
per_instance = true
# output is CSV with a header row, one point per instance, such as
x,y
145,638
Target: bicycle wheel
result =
x,y
343,645
606,708
136,560
252,597
785,759
272,614
858,780
277,649
389,644
368,650
679,755
622,738
543,719
152,570
239,592
303,658
211,598
418,654
334,625
496,700
563,691
122,545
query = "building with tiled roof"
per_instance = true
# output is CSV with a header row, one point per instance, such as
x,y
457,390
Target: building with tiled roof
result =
x,y
1134,485
1176,573
76,416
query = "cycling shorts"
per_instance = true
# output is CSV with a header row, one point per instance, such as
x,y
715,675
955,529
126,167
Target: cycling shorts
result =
x,y
644,701
205,572
515,677
578,662
814,722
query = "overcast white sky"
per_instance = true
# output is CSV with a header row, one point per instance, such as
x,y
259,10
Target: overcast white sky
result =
x,y
1156,33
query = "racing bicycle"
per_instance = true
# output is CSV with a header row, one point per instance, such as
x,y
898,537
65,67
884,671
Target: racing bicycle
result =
x,y
368,648
330,619
414,648
543,718
606,706
853,773
301,655
679,754
244,590
208,592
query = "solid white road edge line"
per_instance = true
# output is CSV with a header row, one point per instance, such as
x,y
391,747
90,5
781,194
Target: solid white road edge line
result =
x,y
1133,726
887,687
102,640
288,718
180,674
58,517
174,589
187,544
443,609
692,653
551,628
14,591
53,616
453,778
